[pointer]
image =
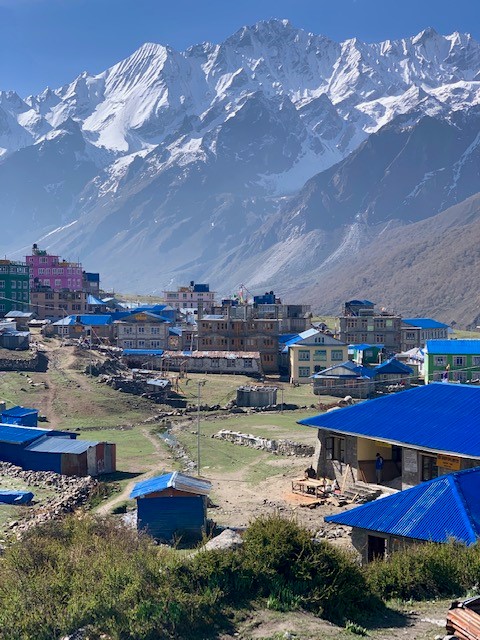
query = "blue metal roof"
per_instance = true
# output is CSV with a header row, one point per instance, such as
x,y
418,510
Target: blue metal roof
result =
x,y
393,366
95,301
286,337
347,369
142,352
19,412
364,346
175,331
453,347
94,320
425,323
20,435
444,508
175,480
436,417
61,445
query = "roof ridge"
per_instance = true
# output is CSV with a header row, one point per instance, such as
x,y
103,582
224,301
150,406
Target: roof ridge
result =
x,y
453,479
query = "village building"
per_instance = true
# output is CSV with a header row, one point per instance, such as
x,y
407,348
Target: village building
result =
x,y
392,373
345,379
50,271
420,433
48,304
223,333
452,360
442,510
416,331
142,330
366,354
91,328
312,352
14,286
91,283
52,450
172,507
21,318
361,323
192,296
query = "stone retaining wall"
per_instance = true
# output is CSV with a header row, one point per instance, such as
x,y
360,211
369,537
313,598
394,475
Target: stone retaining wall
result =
x,y
281,447
72,492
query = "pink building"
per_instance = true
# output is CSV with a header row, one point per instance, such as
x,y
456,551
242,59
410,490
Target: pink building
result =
x,y
50,271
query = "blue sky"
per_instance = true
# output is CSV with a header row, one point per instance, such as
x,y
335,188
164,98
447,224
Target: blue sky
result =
x,y
49,42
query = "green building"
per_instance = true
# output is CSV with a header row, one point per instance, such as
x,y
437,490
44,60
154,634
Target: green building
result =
x,y
452,360
14,287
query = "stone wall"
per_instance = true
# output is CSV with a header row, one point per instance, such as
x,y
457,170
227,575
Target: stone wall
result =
x,y
20,364
281,447
334,469
71,492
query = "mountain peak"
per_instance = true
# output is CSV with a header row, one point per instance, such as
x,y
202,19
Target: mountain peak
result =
x,y
427,34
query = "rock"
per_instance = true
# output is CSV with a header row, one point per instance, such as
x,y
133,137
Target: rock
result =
x,y
228,539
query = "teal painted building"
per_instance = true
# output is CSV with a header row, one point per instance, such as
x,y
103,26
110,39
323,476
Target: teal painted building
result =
x,y
452,360
14,287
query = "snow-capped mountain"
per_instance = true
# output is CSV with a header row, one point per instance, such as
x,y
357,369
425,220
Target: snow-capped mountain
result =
x,y
166,163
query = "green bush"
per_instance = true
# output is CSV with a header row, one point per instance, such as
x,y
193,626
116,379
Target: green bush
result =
x,y
426,571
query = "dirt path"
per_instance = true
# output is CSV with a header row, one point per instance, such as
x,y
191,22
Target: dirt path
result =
x,y
160,459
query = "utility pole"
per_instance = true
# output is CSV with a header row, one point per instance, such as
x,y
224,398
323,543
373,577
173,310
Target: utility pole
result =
x,y
281,410
200,383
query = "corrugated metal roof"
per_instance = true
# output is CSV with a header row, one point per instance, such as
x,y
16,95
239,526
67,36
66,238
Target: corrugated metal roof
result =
x,y
142,352
159,382
230,355
453,347
20,435
364,346
95,301
347,369
392,366
50,444
444,508
438,417
175,480
19,412
425,323
87,320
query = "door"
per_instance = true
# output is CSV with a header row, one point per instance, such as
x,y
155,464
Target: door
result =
x,y
376,548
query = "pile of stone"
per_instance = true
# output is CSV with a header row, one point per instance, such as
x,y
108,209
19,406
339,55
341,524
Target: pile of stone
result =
x,y
280,447
71,493
109,367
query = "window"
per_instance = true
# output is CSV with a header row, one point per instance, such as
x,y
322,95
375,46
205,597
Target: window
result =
x,y
230,363
303,355
215,362
320,355
58,282
429,468
141,329
25,285
303,372
337,354
155,330
440,361
459,361
14,284
14,295
141,344
459,376
380,338
475,360
2,284
248,363
335,448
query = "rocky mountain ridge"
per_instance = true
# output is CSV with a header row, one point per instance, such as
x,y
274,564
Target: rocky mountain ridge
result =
x,y
177,165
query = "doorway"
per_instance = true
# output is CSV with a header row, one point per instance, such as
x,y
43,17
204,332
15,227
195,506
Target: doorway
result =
x,y
377,548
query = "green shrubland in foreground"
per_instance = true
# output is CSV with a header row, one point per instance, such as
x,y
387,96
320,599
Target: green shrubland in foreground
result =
x,y
90,572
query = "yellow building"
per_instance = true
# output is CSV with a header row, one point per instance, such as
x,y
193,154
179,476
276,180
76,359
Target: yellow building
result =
x,y
314,353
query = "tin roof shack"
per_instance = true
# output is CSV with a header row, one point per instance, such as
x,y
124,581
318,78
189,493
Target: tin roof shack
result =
x,y
15,340
71,457
172,506
14,440
21,416
392,375
22,318
421,433
97,328
256,396
344,379
446,508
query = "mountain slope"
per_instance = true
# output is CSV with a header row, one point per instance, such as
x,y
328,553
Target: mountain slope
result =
x,y
256,159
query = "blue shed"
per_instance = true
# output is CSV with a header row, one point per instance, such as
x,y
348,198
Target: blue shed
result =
x,y
172,506
22,416
14,439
